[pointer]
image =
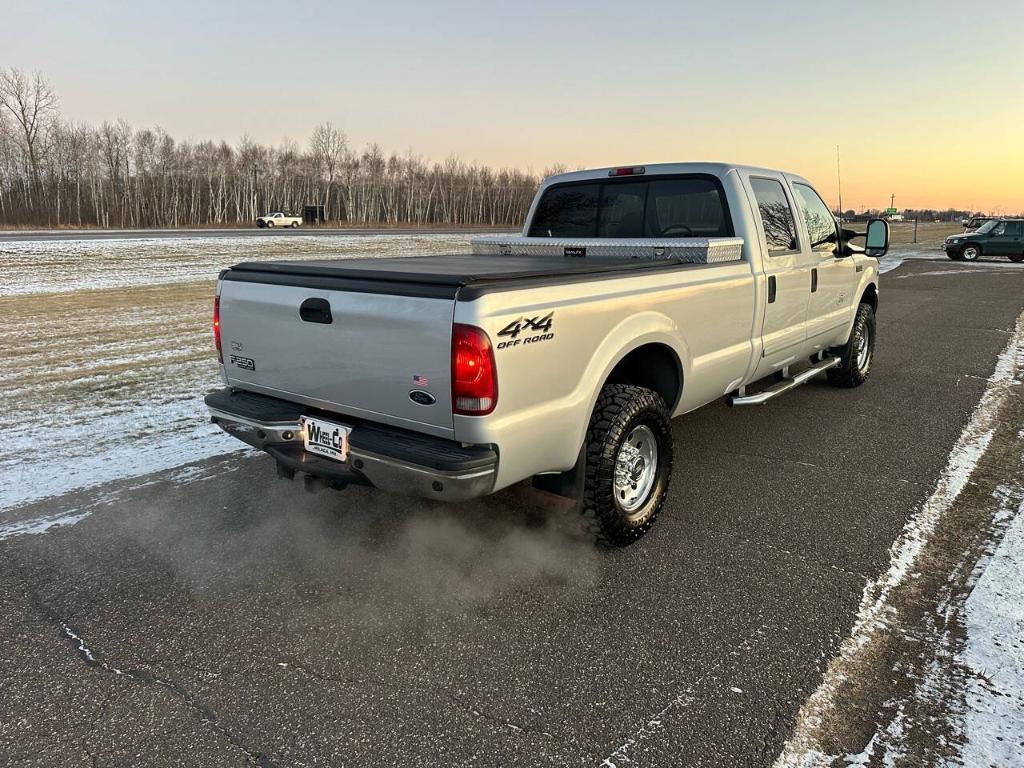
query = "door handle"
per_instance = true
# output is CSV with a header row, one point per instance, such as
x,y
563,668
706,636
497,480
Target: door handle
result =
x,y
771,289
316,311
814,279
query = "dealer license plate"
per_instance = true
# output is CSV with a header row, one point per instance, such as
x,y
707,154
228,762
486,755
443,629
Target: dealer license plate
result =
x,y
325,438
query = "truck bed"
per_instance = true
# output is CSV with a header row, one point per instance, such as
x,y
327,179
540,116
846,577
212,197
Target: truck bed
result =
x,y
440,276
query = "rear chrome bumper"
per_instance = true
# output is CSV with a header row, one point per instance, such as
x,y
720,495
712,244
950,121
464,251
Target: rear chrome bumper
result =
x,y
383,457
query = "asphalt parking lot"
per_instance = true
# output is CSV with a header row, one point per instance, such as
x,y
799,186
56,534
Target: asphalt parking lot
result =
x,y
218,616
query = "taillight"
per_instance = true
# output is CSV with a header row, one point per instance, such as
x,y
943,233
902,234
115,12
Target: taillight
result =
x,y
216,327
474,375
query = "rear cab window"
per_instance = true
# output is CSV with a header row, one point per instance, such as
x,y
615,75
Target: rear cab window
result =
x,y
776,216
655,207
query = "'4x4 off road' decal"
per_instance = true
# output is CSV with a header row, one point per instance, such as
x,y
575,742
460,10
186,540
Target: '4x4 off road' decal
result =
x,y
534,330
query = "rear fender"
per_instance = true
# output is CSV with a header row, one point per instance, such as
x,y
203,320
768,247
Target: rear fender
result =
x,y
641,329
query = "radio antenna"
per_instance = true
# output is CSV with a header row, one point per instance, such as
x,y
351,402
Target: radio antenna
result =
x,y
839,181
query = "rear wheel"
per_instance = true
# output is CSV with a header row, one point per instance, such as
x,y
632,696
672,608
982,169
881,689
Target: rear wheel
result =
x,y
970,252
628,463
1017,258
856,355
295,225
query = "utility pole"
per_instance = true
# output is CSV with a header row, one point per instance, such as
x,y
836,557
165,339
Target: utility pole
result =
x,y
839,181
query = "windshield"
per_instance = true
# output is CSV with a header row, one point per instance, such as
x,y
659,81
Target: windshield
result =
x,y
987,227
660,206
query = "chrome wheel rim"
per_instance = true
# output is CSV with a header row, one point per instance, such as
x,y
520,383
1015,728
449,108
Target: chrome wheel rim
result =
x,y
636,467
970,254
863,349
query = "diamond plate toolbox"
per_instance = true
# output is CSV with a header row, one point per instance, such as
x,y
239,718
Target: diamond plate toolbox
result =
x,y
685,250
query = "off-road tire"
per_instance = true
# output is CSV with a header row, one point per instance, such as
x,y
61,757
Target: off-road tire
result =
x,y
619,410
1017,258
969,249
850,372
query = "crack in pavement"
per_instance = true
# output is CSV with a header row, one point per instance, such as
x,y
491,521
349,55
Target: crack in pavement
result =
x,y
802,463
459,703
292,663
810,563
652,725
147,678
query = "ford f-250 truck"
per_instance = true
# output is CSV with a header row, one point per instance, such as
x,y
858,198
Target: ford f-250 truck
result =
x,y
634,295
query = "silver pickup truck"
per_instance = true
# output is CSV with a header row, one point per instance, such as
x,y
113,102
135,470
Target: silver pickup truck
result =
x,y
633,295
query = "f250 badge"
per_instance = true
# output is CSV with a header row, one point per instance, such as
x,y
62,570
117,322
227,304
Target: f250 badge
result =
x,y
530,327
244,362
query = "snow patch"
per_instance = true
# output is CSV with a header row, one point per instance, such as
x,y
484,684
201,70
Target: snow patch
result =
x,y
888,263
994,651
40,524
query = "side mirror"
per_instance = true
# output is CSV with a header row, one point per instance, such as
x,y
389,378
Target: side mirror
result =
x,y
877,238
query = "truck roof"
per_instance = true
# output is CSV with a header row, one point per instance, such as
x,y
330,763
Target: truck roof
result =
x,y
652,169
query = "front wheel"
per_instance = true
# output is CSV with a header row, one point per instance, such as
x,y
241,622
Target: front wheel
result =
x,y
628,463
270,224
856,355
1017,258
970,252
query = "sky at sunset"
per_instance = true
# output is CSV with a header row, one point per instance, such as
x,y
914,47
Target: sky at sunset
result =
x,y
926,99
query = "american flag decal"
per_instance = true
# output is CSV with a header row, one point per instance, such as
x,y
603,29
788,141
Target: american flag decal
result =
x,y
420,381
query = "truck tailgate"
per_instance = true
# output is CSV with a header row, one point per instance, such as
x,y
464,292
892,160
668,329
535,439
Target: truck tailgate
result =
x,y
347,349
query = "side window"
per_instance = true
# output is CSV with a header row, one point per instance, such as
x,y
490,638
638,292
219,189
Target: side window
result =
x,y
1000,229
776,216
1013,228
821,225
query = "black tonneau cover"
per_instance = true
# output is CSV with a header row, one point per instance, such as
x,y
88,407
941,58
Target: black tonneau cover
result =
x,y
440,276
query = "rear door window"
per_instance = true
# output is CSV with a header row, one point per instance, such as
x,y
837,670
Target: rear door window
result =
x,y
661,206
776,216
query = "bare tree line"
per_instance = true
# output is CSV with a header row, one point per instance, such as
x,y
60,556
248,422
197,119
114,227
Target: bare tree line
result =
x,y
55,172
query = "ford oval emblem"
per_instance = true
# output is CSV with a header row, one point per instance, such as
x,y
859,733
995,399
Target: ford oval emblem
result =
x,y
422,397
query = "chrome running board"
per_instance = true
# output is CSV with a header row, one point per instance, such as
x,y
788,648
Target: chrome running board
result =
x,y
785,385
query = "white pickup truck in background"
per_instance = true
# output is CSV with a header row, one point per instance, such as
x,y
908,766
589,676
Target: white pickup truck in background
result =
x,y
634,295
278,220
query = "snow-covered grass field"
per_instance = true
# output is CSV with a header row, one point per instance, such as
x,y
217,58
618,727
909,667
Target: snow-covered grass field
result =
x,y
106,351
